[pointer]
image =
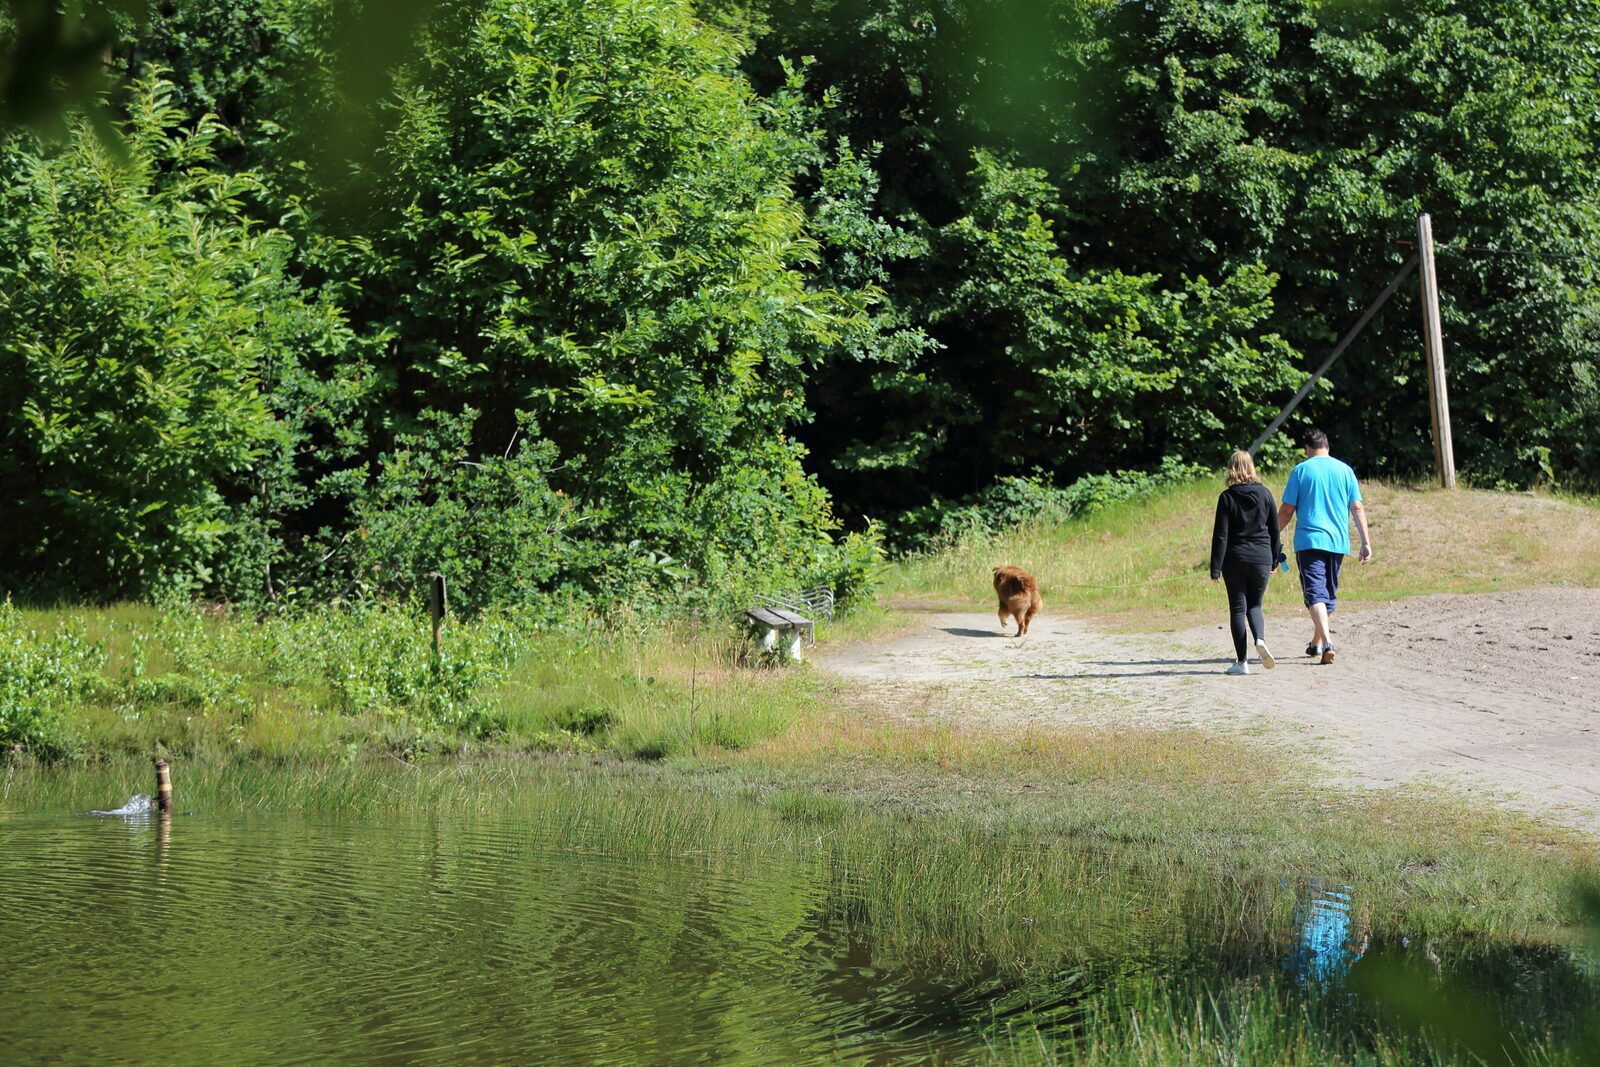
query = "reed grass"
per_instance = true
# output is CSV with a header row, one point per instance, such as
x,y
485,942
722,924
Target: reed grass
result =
x,y
972,818
1254,1021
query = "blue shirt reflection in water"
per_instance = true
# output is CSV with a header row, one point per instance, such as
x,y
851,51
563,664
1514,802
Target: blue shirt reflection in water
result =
x,y
1325,950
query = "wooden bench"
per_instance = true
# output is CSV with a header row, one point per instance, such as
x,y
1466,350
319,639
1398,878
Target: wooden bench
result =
x,y
773,624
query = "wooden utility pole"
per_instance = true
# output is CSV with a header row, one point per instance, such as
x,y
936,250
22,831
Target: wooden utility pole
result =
x,y
1433,346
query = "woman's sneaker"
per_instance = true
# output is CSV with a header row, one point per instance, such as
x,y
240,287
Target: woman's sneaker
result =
x,y
1266,655
1327,654
1313,650
1238,668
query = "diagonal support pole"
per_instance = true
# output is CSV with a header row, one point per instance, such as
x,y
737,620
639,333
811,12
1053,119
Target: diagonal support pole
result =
x,y
1333,357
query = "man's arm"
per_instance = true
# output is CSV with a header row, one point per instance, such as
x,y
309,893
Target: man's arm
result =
x,y
1291,493
1361,524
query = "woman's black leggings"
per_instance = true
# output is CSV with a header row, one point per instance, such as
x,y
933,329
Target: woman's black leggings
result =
x,y
1247,584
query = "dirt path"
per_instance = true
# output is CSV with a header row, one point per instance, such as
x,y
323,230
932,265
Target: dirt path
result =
x,y
1496,695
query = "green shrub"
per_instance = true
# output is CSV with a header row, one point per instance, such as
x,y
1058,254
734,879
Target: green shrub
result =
x,y
42,676
493,526
583,235
175,689
854,568
145,320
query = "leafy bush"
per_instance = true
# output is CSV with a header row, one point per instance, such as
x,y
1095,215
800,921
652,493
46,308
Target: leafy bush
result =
x,y
1111,192
556,354
143,314
583,232
854,569
374,661
492,526
42,676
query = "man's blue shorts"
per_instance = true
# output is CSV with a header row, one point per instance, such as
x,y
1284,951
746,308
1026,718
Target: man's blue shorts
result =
x,y
1319,575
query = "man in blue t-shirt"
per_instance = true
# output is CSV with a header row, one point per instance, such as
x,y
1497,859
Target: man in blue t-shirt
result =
x,y
1323,492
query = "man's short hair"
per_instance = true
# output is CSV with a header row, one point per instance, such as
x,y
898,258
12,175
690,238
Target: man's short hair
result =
x,y
1314,439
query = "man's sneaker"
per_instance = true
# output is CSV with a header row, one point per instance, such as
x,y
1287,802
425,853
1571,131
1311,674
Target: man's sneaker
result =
x,y
1327,654
1266,656
1313,650
1238,668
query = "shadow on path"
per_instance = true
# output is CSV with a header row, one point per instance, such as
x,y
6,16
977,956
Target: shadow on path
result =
x,y
1153,662
1121,674
962,631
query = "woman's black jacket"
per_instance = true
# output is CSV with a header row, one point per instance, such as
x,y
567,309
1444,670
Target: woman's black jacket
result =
x,y
1246,530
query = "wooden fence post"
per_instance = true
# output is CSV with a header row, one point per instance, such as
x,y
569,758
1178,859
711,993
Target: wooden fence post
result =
x,y
436,608
1433,344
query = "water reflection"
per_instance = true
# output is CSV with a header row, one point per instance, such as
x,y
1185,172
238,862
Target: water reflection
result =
x,y
1331,935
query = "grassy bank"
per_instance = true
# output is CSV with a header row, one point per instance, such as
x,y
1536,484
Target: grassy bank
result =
x,y
93,683
984,816
99,683
1146,563
991,858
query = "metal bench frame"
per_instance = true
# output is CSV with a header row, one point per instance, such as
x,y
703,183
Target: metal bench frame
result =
x,y
817,601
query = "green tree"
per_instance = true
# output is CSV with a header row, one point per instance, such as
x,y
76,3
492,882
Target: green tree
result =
x,y
583,218
1010,344
145,322
1235,142
1308,135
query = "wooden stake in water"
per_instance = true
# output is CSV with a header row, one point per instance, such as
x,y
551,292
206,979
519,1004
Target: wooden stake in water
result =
x,y
163,788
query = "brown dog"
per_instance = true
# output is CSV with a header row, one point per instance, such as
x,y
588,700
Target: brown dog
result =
x,y
1019,596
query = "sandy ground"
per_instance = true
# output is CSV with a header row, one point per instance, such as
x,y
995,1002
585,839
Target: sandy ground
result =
x,y
1494,695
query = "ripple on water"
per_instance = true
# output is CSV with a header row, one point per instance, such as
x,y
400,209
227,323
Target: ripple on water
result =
x,y
303,939
289,939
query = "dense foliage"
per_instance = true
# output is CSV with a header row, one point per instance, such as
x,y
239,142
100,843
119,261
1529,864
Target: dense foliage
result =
x,y
155,359
559,336
1284,148
614,301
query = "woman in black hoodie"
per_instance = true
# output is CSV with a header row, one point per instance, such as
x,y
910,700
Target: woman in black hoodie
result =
x,y
1244,549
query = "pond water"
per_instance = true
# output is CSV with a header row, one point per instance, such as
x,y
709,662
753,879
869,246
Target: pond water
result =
x,y
292,939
